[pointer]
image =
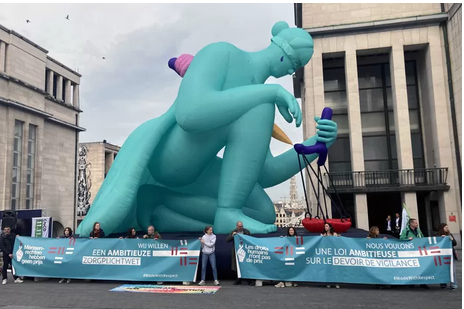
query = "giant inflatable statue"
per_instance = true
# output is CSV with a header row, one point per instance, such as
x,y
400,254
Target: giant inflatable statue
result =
x,y
168,174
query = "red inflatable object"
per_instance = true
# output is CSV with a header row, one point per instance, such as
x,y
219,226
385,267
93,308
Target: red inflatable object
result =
x,y
315,225
340,225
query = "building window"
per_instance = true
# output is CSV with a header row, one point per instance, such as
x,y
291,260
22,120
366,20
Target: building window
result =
x,y
46,79
31,151
63,91
377,118
55,85
335,98
376,115
16,175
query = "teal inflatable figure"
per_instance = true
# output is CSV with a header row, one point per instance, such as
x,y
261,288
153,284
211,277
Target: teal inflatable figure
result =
x,y
168,174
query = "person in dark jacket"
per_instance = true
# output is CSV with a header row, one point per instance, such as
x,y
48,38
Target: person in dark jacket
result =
x,y
238,230
444,232
152,233
97,231
7,240
68,233
397,225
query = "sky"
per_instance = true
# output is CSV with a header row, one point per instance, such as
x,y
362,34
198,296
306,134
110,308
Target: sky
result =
x,y
133,83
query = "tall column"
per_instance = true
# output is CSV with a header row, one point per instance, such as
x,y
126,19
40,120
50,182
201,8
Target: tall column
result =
x,y
2,56
402,125
67,98
449,202
356,142
75,101
59,88
50,78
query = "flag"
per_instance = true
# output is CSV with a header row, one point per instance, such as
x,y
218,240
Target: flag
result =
x,y
404,218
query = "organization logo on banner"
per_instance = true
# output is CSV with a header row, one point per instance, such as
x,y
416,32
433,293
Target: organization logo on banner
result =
x,y
241,254
19,253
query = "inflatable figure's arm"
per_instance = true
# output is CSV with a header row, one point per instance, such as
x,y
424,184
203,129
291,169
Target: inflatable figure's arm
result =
x,y
202,105
278,169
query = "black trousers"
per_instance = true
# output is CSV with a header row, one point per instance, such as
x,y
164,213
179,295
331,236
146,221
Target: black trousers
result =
x,y
6,261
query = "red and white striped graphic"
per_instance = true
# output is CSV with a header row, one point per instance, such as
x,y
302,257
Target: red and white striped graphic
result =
x,y
435,258
279,250
299,240
183,242
447,260
62,251
183,261
174,250
289,261
300,250
424,251
288,250
193,261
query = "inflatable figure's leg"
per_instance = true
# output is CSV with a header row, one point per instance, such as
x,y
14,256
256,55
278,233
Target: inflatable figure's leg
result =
x,y
244,156
259,206
165,209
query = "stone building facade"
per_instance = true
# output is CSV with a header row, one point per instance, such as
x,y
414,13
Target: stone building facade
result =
x,y
39,130
386,69
97,158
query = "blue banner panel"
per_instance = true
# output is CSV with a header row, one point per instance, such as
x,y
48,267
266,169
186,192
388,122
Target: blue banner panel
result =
x,y
107,259
345,260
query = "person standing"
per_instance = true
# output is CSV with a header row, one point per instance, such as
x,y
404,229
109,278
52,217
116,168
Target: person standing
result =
x,y
68,233
409,233
208,248
7,240
397,225
97,231
291,232
238,230
374,233
389,225
152,233
444,232
131,234
329,231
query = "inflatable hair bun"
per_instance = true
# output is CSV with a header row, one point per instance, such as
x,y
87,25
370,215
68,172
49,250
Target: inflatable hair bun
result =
x,y
278,27
181,64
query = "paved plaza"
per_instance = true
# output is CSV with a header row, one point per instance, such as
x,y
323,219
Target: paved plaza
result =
x,y
81,294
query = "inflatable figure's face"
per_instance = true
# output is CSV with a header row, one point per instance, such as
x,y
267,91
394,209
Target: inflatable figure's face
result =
x,y
280,63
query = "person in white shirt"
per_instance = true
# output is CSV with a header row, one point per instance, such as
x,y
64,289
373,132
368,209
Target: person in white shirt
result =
x,y
208,248
389,225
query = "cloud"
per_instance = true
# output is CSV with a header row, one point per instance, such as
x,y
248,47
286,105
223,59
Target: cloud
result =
x,y
134,84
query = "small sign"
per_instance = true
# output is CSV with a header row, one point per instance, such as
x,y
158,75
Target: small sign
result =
x,y
452,218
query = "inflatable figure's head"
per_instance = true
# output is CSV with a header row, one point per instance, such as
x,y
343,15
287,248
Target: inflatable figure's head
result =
x,y
295,49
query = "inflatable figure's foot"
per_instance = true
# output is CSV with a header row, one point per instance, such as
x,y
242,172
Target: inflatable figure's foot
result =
x,y
226,221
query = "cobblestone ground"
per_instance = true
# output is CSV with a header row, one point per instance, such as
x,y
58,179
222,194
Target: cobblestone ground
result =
x,y
81,294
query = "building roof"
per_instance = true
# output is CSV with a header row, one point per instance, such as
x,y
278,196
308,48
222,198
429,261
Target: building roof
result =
x,y
38,47
103,143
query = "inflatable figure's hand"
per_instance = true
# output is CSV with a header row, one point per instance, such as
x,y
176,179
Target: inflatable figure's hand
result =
x,y
286,102
327,131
